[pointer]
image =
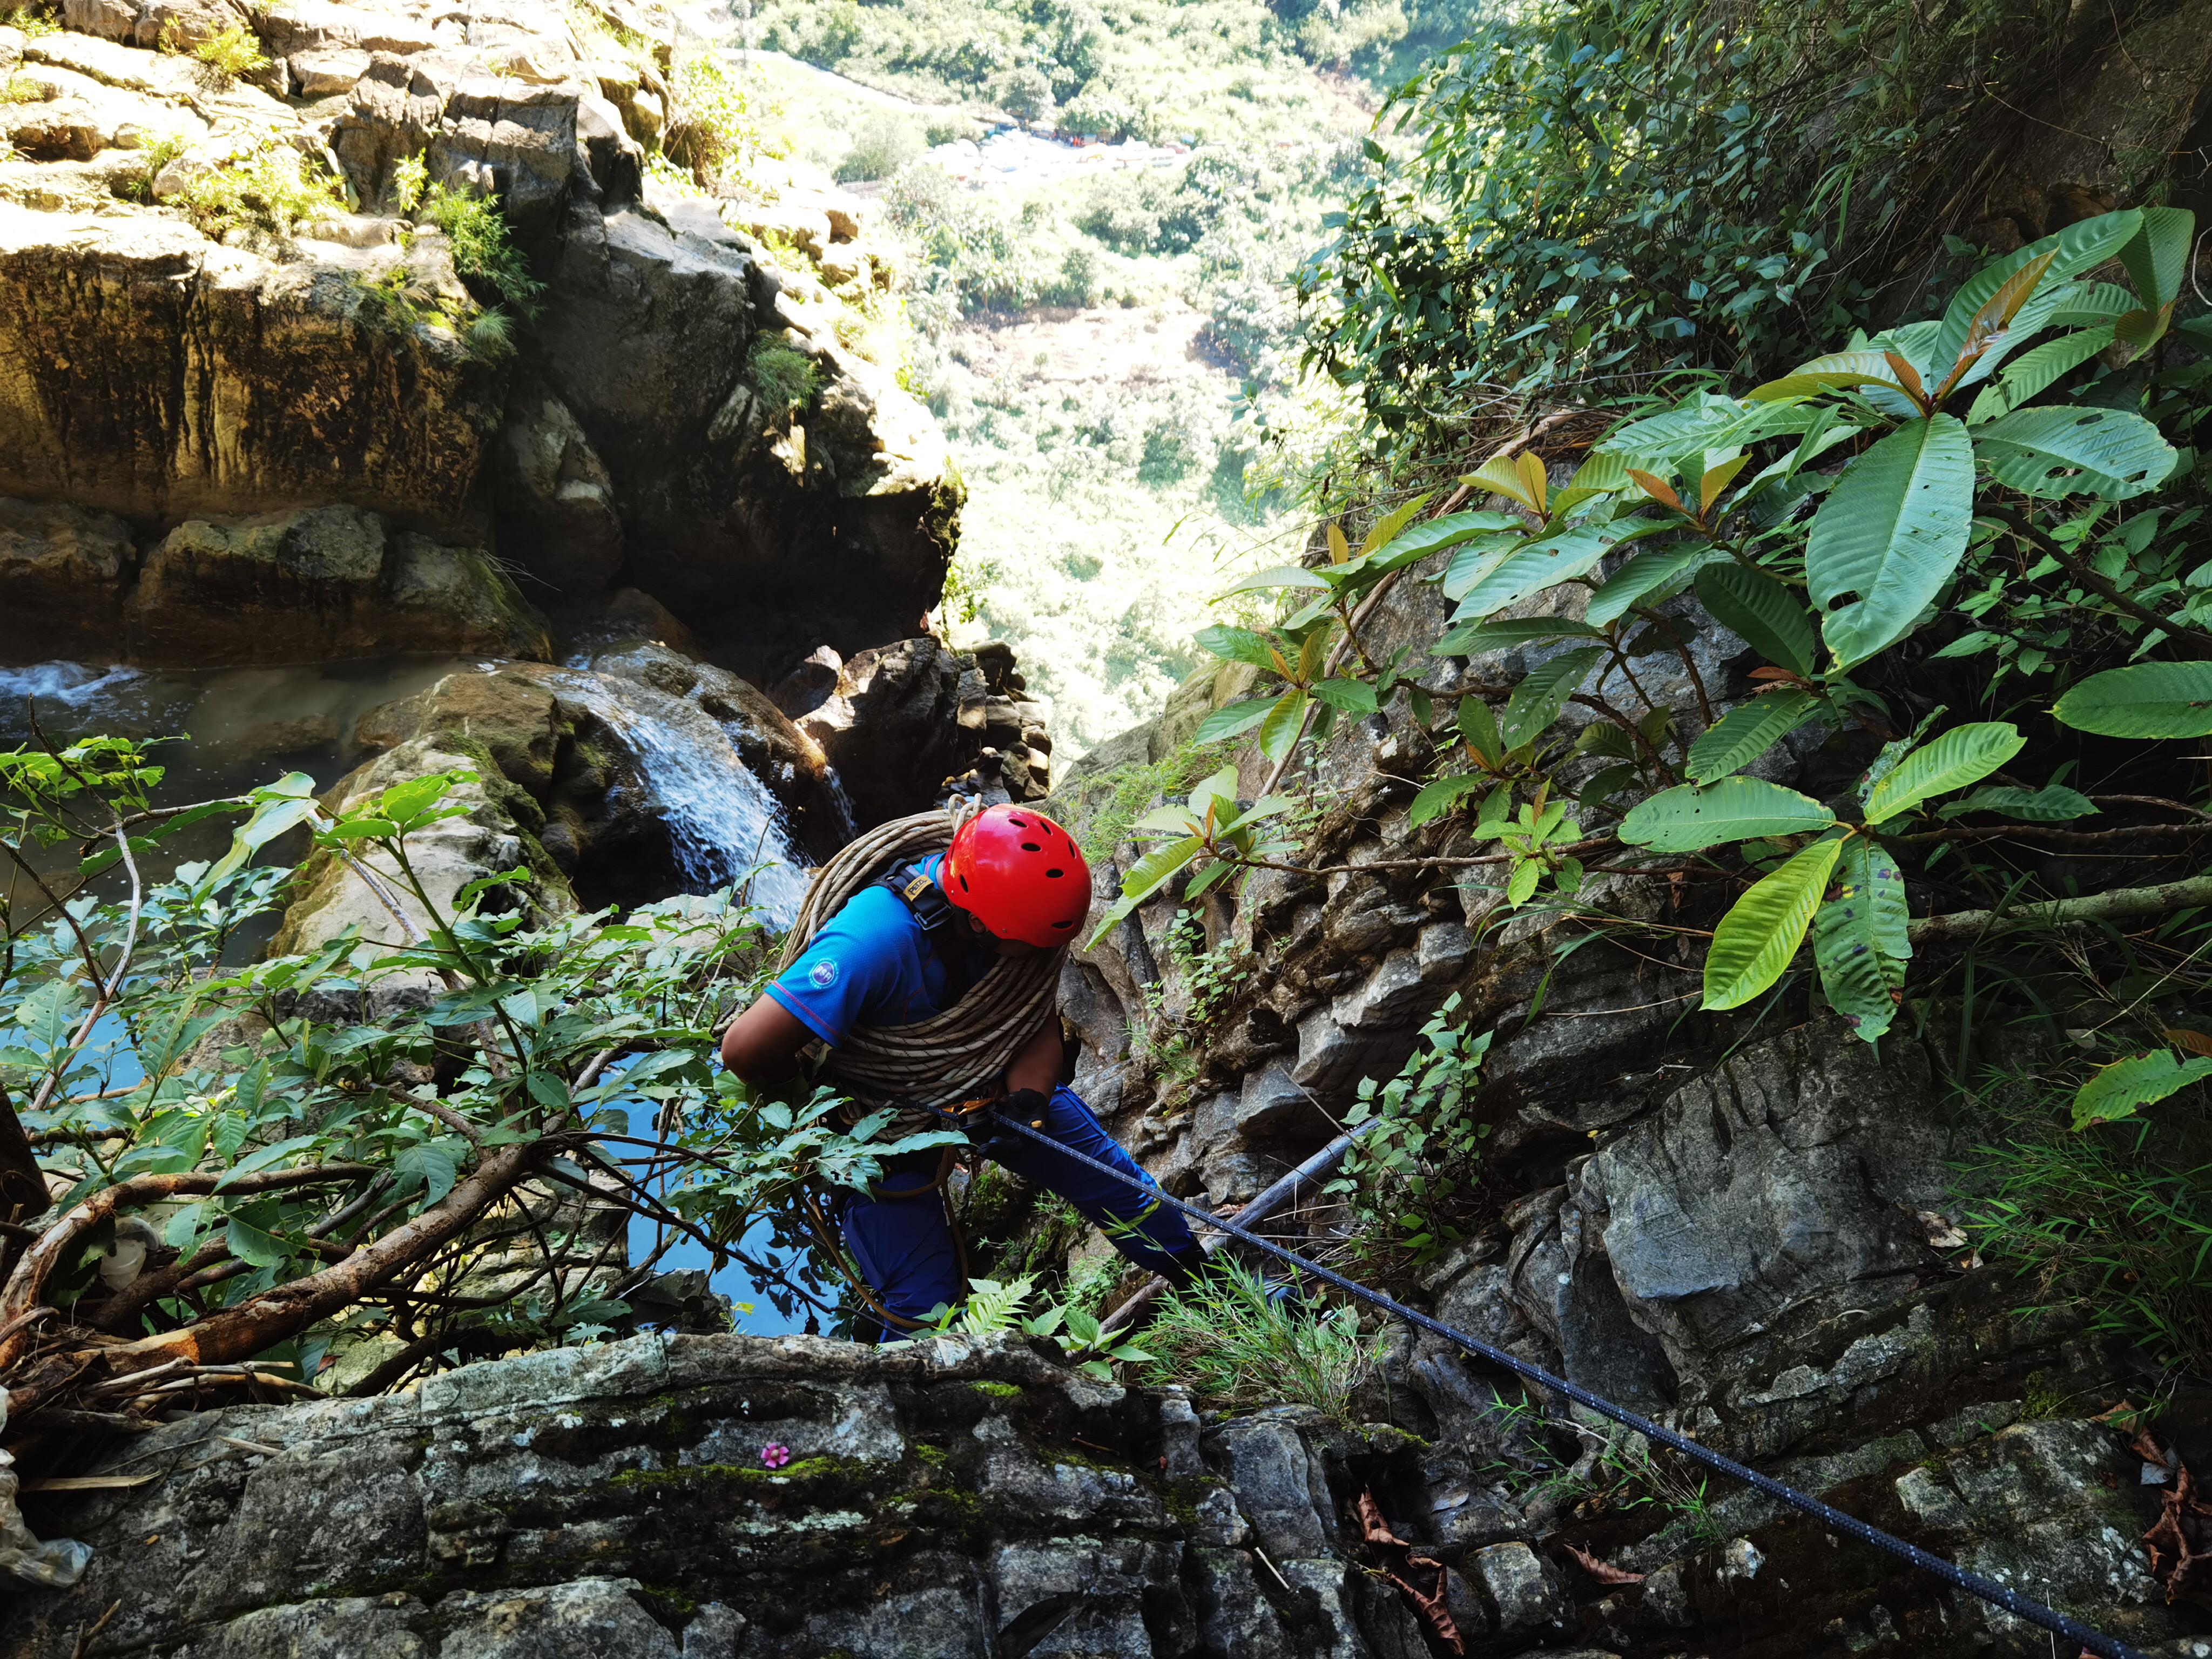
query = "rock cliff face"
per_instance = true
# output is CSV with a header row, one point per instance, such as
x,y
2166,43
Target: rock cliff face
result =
x,y
216,305
1742,1234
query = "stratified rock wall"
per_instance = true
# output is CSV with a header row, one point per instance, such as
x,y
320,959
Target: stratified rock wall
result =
x,y
181,339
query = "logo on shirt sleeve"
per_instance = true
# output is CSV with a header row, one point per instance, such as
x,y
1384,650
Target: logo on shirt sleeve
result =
x,y
823,974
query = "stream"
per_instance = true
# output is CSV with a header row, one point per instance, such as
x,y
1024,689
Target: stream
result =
x,y
225,731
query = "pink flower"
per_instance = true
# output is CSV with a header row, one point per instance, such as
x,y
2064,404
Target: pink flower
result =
x,y
776,1456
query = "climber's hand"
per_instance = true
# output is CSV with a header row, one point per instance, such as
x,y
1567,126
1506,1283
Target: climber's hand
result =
x,y
991,1137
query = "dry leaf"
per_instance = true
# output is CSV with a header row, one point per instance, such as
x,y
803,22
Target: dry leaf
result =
x,y
1604,1572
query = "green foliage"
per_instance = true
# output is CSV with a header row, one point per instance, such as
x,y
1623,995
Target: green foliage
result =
x,y
231,54
717,121
1408,1179
265,187
993,1306
410,178
785,378
2116,1221
1792,558
1212,831
883,145
22,89
1236,1348
140,1045
1591,187
483,249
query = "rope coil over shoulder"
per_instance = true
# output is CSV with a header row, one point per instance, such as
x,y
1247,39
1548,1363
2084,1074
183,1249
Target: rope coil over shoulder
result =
x,y
953,1055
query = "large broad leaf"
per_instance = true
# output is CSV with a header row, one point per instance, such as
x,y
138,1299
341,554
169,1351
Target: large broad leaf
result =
x,y
2111,454
1473,639
1439,795
1890,535
1771,617
1964,755
1644,575
1833,373
1280,575
1531,570
1234,720
1743,735
1237,645
2052,803
1536,701
2035,371
2117,1089
1858,948
1684,819
2146,700
2075,250
1478,558
1284,723
1347,697
2157,256
1759,935
1436,535
253,1245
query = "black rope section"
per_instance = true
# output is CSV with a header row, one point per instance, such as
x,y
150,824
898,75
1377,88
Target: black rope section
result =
x,y
1834,1520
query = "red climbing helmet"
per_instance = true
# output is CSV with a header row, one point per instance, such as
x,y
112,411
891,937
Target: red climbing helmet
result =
x,y
1020,874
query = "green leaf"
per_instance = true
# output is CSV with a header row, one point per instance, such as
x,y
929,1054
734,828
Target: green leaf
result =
x,y
1440,795
1436,535
2034,372
1280,575
1836,372
1237,645
1478,729
2145,699
1521,886
2067,450
2052,803
1964,755
1284,721
1351,696
1533,567
1743,735
1473,639
2157,256
2119,1089
1148,872
1859,971
1771,617
1761,932
432,1162
1233,720
253,1246
2078,247
1478,558
1684,819
270,819
404,801
1889,536
1543,692
1646,573
265,1157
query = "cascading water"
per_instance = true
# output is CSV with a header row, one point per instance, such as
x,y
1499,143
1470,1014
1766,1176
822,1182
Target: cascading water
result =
x,y
724,827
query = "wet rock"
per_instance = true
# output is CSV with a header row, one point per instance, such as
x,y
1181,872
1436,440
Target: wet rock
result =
x,y
556,501
317,586
613,1500
63,574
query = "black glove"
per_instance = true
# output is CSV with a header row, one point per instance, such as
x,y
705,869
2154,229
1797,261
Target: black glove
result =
x,y
991,1137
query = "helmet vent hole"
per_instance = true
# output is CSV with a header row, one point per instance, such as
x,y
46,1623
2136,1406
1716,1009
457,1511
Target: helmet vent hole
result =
x,y
1018,822
963,883
1031,846
1055,873
1063,924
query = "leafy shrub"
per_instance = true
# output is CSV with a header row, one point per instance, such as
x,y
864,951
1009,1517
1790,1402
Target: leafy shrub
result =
x,y
232,54
22,89
1602,185
2005,503
483,250
716,123
1236,1348
785,378
886,144
1025,92
1408,1179
410,178
268,187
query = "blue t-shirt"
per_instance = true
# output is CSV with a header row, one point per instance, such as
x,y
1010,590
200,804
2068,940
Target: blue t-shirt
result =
x,y
871,965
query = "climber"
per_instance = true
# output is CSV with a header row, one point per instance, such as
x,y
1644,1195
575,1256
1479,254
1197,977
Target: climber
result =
x,y
1009,893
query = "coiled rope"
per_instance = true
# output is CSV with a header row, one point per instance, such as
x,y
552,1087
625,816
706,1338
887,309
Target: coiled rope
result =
x,y
953,1055
1834,1520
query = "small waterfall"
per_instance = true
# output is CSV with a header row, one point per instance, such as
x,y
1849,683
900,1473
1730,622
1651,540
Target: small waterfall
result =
x,y
722,822
72,684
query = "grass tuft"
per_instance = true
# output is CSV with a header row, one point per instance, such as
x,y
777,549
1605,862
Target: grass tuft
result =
x,y
1232,1347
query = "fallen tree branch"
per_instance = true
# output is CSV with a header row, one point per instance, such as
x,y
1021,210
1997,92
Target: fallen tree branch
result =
x,y
2118,904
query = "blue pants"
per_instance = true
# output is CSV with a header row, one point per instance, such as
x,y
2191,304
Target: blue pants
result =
x,y
904,1245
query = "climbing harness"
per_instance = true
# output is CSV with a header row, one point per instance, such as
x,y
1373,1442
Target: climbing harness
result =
x,y
950,1056
1834,1520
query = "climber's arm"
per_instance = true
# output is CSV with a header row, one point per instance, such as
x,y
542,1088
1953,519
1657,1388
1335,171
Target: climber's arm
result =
x,y
1038,1066
763,1043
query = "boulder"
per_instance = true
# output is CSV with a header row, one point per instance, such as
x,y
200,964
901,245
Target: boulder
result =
x,y
63,574
558,517
318,586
